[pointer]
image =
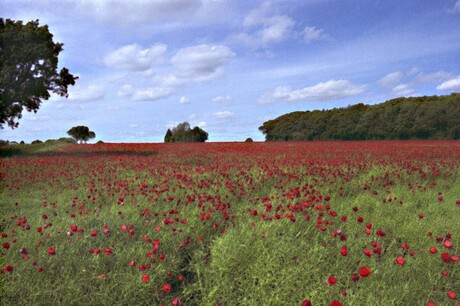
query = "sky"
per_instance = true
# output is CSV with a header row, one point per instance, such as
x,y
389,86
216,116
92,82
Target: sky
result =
x,y
228,66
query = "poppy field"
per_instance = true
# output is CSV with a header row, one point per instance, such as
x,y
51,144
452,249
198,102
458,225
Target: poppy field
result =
x,y
291,223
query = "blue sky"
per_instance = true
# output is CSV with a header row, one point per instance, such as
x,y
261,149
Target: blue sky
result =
x,y
229,65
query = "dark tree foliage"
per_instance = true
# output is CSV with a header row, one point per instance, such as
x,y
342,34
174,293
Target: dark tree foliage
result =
x,y
168,136
434,117
81,133
28,69
183,133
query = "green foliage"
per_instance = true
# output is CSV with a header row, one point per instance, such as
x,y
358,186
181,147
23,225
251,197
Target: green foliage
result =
x,y
435,117
28,69
168,136
183,133
248,140
81,133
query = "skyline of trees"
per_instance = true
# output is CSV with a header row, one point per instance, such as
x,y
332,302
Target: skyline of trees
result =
x,y
427,117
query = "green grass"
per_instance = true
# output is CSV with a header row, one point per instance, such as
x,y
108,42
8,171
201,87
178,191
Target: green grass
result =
x,y
239,260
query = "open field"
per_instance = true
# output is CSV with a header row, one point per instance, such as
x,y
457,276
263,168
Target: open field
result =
x,y
351,223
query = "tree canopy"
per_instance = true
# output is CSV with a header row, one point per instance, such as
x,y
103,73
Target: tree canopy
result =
x,y
184,133
28,69
81,133
434,117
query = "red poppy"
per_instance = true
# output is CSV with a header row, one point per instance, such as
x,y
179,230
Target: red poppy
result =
x,y
451,295
6,245
8,269
364,271
336,303
400,261
145,278
51,251
306,303
344,251
448,244
167,288
332,280
354,277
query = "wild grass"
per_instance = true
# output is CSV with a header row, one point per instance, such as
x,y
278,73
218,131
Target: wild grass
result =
x,y
225,224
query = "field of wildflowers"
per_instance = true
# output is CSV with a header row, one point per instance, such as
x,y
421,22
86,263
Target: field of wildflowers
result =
x,y
307,223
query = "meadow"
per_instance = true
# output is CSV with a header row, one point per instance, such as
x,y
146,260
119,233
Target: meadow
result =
x,y
289,223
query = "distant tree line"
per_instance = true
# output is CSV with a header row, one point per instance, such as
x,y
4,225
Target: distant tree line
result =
x,y
184,133
433,117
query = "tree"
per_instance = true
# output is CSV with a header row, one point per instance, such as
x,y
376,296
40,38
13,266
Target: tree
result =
x,y
183,133
28,69
168,136
81,133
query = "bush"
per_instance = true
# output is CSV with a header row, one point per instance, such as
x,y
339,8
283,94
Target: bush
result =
x,y
248,140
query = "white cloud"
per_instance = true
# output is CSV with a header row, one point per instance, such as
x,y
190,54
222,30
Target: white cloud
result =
x,y
194,116
153,93
391,79
134,58
275,29
133,125
270,28
135,12
452,84
433,77
457,6
87,93
125,90
202,62
184,100
311,34
202,124
402,90
223,115
223,99
326,91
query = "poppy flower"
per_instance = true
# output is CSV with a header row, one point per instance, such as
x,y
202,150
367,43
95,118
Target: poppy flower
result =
x,y
381,233
364,271
145,278
332,280
306,303
8,269
433,250
336,303
6,245
354,277
451,295
344,251
51,251
167,288
176,302
448,244
400,261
